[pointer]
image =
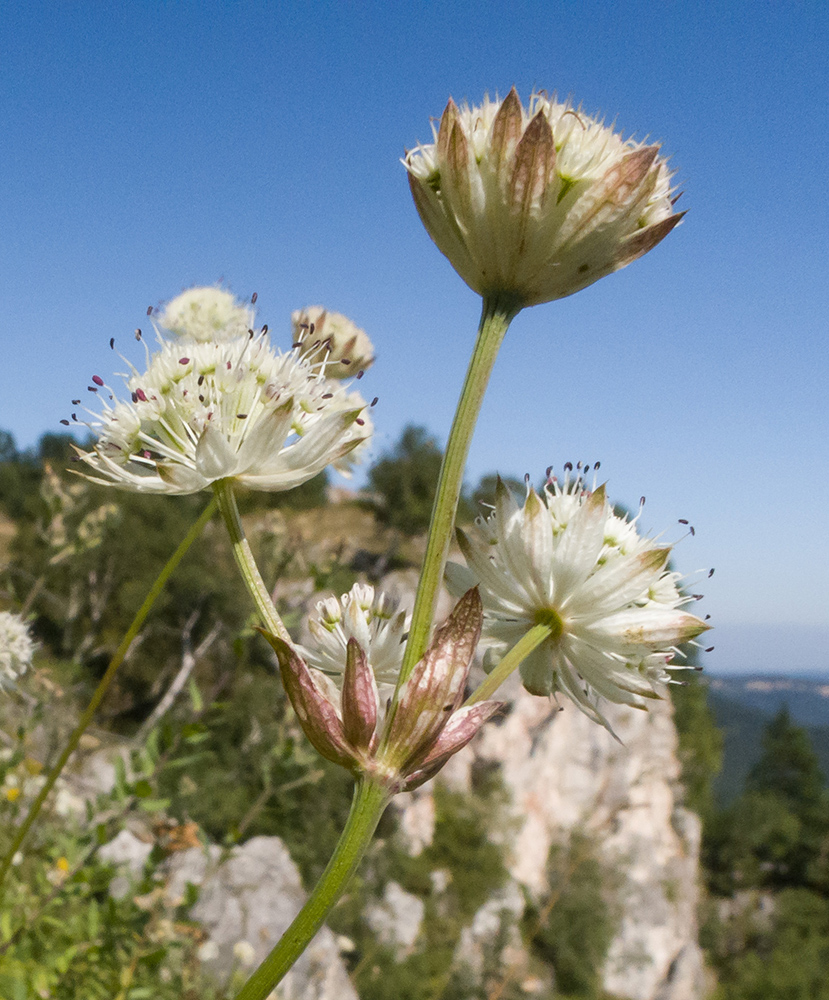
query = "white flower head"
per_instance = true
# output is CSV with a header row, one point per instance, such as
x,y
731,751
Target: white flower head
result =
x,y
374,619
16,647
569,562
537,203
331,339
228,408
206,314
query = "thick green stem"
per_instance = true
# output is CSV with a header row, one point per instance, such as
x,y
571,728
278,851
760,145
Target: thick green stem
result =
x,y
370,800
521,650
104,684
496,316
245,561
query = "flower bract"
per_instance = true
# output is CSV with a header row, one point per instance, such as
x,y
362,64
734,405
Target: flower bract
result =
x,y
401,750
605,592
537,203
230,407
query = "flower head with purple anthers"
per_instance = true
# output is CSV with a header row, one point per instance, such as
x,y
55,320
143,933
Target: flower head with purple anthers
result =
x,y
567,561
218,402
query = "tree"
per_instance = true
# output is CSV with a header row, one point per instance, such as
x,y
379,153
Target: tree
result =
x,y
405,481
789,766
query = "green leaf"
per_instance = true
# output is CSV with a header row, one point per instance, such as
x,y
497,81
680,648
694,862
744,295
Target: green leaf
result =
x,y
196,699
154,805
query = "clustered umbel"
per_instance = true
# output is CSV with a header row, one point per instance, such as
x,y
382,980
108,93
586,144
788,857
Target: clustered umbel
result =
x,y
533,204
607,595
218,402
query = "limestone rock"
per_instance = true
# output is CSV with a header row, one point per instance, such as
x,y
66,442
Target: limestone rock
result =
x,y
253,896
564,774
396,918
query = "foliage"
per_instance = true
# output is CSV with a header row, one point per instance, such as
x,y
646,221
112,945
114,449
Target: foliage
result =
x,y
776,835
767,865
254,773
700,745
19,478
405,481
454,876
784,954
572,927
68,929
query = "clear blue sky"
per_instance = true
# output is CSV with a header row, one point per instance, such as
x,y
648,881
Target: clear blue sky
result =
x,y
151,146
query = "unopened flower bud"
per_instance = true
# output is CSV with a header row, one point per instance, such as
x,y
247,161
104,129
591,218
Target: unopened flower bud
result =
x,y
534,204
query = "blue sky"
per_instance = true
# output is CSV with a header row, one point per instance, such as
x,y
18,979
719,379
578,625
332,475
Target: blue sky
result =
x,y
151,146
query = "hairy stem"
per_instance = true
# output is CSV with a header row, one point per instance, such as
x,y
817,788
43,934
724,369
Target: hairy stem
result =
x,y
245,561
104,684
370,800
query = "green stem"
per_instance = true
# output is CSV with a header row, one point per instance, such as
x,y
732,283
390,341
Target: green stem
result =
x,y
370,800
245,561
521,650
105,682
496,316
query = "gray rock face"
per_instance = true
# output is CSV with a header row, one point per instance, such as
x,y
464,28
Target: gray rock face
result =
x,y
130,851
252,897
396,918
564,773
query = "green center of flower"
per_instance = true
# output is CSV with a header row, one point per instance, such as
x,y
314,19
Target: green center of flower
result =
x,y
553,620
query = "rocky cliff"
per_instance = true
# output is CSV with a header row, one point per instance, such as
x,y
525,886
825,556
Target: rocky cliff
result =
x,y
565,775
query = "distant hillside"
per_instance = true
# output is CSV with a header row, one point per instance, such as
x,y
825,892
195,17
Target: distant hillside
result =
x,y
743,705
807,698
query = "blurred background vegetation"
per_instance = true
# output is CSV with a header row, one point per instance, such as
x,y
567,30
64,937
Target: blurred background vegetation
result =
x,y
214,749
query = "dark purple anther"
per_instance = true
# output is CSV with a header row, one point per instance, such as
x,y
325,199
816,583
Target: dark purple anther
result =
x,y
97,380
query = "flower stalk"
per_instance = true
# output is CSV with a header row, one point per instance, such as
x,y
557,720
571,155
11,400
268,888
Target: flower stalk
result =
x,y
103,686
368,805
528,642
497,313
228,508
